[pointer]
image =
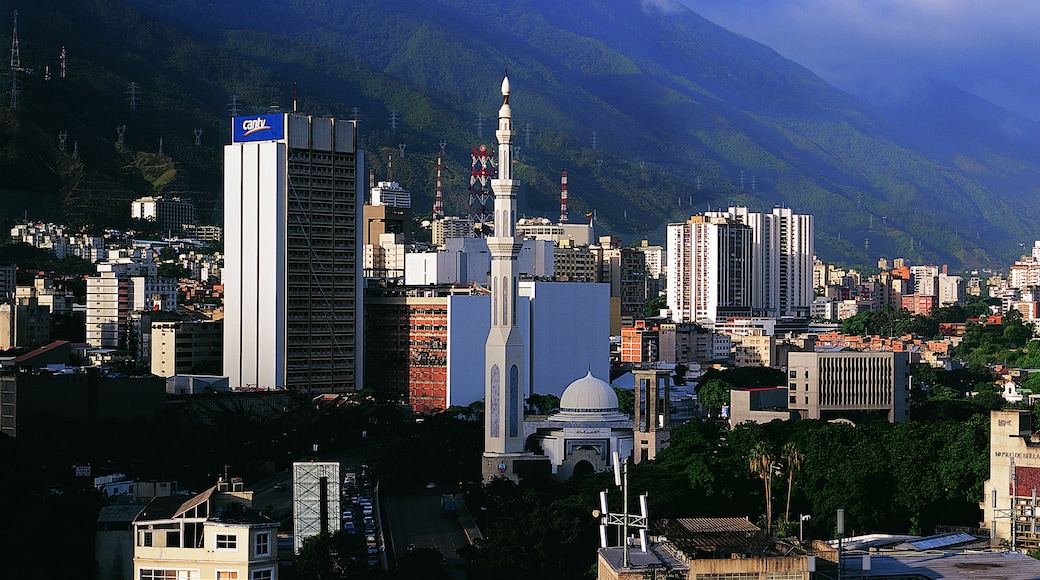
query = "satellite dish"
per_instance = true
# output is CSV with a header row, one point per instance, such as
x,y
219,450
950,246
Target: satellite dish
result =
x,y
425,223
545,221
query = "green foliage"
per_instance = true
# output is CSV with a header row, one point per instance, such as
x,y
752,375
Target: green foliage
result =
x,y
653,306
713,394
891,322
544,404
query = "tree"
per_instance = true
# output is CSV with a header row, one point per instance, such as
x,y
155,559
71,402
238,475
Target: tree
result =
x,y
713,394
543,404
792,457
760,461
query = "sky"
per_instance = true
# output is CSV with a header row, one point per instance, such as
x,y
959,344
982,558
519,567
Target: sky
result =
x,y
879,50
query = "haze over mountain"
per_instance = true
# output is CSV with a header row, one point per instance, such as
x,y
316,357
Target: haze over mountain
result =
x,y
656,114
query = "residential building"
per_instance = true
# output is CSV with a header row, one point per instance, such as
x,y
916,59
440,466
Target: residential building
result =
x,y
292,235
210,535
574,263
186,347
851,385
1008,495
625,270
451,227
171,213
8,281
709,276
23,323
580,234
753,350
639,342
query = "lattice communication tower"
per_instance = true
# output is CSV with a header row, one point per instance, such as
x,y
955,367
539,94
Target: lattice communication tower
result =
x,y
481,198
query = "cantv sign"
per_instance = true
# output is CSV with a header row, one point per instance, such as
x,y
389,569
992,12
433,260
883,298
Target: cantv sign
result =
x,y
258,128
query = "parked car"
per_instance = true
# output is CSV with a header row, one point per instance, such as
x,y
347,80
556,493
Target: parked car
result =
x,y
279,486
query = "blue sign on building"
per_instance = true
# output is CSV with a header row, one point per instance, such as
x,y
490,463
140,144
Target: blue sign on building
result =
x,y
258,128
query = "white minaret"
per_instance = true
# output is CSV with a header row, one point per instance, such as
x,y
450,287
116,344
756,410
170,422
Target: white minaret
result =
x,y
504,354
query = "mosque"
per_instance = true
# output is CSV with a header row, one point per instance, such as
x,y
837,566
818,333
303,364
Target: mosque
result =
x,y
588,429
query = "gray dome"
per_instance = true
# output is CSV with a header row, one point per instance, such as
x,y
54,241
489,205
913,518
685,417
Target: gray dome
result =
x,y
589,399
588,394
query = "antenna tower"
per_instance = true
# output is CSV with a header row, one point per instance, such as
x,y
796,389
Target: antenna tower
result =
x,y
62,137
198,136
160,147
16,64
481,198
120,131
438,200
355,113
393,120
64,62
480,125
401,146
47,72
754,183
75,149
623,520
563,197
527,135
233,106
595,139
741,179
132,89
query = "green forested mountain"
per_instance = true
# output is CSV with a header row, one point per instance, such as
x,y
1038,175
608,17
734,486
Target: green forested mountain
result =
x,y
656,115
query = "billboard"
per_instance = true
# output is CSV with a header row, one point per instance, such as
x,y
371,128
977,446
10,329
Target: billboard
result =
x,y
258,128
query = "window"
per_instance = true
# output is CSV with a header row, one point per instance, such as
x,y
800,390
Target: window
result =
x,y
227,542
807,387
793,374
173,539
267,574
807,400
263,544
151,574
146,538
794,386
227,574
794,399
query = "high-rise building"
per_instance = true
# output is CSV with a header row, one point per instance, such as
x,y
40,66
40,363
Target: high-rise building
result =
x,y
292,233
709,277
781,260
172,213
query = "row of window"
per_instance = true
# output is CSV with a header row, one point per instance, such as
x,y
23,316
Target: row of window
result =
x,y
261,542
154,574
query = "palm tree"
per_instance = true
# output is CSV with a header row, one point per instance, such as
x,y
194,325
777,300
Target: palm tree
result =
x,y
793,458
761,463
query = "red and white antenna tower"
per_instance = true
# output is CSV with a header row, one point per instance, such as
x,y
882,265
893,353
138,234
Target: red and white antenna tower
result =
x,y
563,197
438,199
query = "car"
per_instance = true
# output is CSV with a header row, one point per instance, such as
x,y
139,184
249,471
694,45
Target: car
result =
x,y
409,548
279,486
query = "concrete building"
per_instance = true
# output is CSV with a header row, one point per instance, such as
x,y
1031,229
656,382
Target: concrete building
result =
x,y
8,281
292,235
851,385
211,535
639,342
112,296
186,347
709,270
625,270
172,213
451,227
575,263
580,234
24,322
1014,481
782,256
753,350
758,405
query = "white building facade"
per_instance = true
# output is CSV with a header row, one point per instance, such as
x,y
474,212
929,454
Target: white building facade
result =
x,y
292,280
708,269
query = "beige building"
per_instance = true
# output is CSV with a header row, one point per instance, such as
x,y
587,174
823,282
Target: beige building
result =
x,y
851,385
211,535
180,347
755,350
1014,481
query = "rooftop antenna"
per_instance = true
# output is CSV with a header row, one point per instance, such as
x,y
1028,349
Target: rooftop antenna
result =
x,y
393,120
120,131
233,106
563,197
64,62
624,520
480,126
16,64
198,136
438,199
132,89
390,168
293,100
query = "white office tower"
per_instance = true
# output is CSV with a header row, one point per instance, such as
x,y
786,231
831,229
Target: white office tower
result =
x,y
391,194
708,270
781,262
504,351
292,215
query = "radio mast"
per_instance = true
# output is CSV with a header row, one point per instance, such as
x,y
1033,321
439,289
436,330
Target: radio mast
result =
x,y
438,199
16,64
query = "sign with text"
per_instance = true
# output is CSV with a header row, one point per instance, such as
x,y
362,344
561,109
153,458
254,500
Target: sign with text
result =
x,y
258,128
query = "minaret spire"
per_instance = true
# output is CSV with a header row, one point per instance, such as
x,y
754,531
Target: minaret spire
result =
x,y
505,383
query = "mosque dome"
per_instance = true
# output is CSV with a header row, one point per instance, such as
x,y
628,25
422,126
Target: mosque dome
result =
x,y
589,399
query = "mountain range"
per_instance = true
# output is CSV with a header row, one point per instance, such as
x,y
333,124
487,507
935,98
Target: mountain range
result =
x,y
655,113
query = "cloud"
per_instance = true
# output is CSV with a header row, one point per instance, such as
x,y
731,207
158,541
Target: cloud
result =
x,y
877,49
661,6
